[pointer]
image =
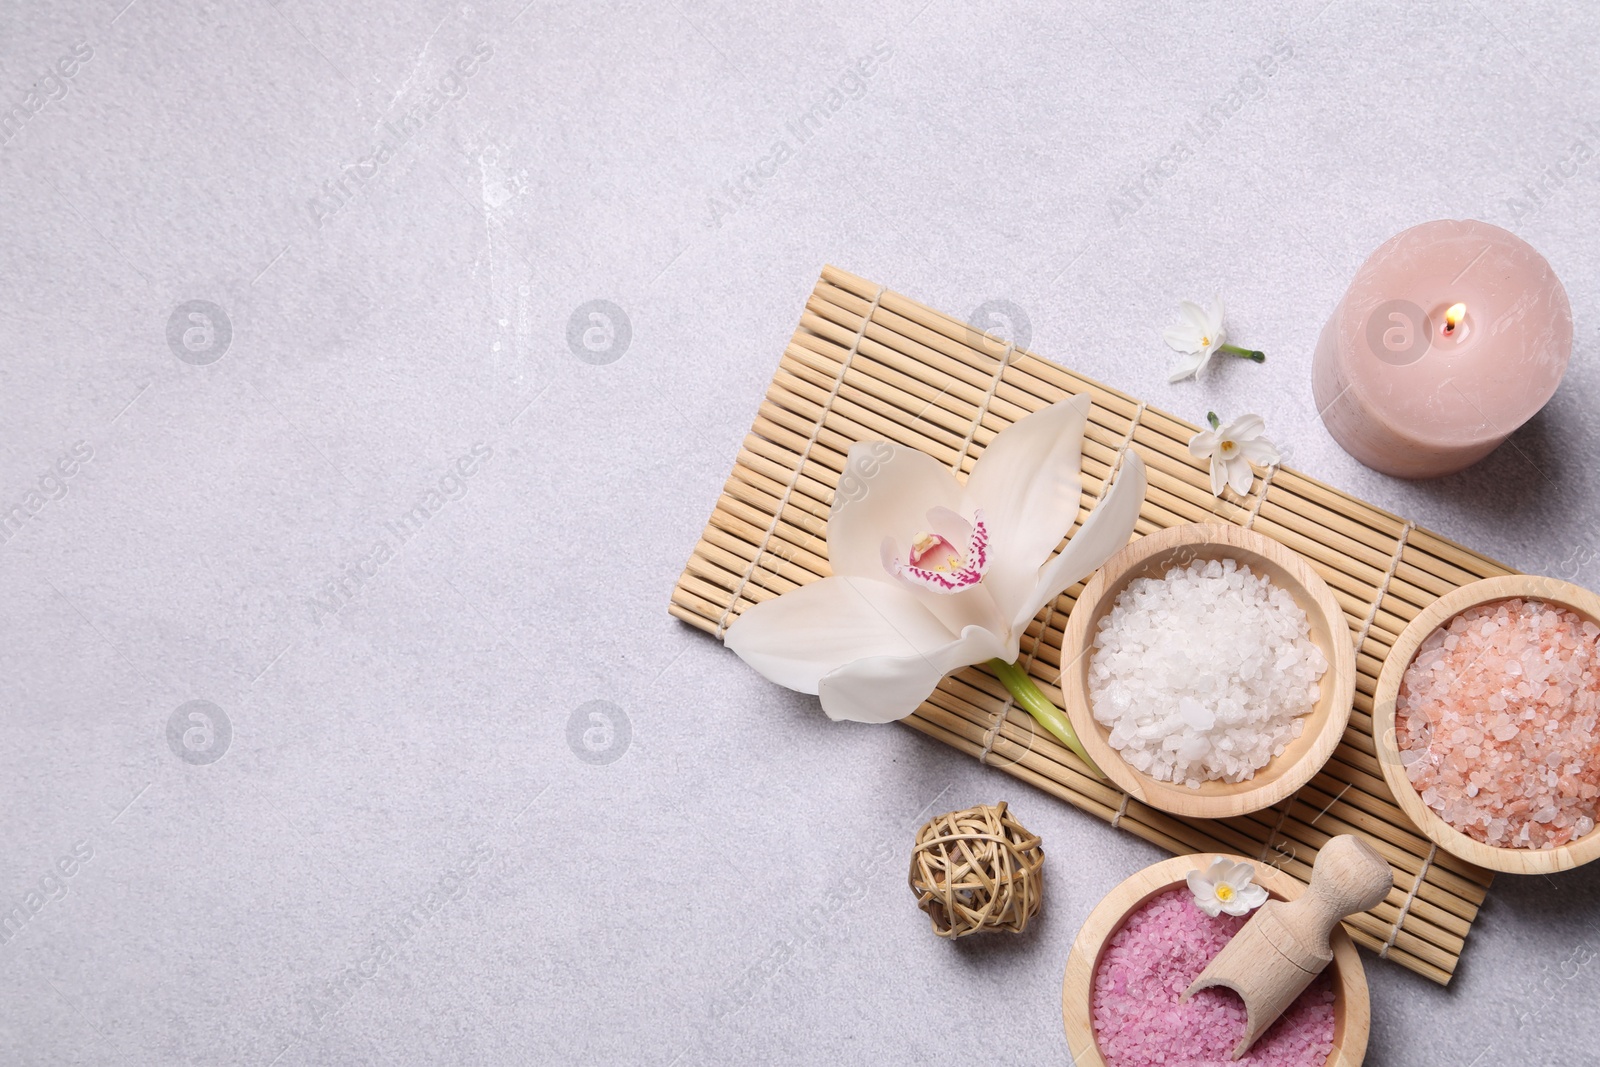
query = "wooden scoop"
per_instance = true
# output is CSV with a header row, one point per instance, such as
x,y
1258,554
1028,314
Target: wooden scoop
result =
x,y
1285,944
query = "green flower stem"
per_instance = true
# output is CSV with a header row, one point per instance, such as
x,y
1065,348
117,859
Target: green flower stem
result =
x,y
1243,353
1035,703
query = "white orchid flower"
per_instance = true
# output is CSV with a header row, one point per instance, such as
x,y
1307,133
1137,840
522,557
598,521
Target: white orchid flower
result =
x,y
1231,449
1226,887
931,575
1199,336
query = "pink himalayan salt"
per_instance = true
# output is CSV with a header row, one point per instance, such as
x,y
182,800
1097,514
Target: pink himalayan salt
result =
x,y
1495,723
1147,965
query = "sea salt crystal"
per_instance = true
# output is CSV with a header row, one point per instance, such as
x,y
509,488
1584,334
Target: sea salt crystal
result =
x,y
1494,723
1205,673
1195,714
1146,966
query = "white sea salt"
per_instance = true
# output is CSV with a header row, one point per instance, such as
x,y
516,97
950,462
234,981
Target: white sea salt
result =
x,y
1205,673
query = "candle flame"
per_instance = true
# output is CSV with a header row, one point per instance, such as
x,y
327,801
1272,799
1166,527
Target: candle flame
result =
x,y
1453,316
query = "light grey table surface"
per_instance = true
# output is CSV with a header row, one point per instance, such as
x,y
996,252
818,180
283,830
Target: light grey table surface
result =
x,y
412,843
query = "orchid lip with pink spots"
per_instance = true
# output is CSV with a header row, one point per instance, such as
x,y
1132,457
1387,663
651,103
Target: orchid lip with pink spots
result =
x,y
934,562
932,574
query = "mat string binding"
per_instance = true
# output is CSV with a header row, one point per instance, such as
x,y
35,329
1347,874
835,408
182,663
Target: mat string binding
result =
x,y
1383,588
1050,609
805,455
1277,828
1122,450
993,733
1366,628
983,408
1266,483
1405,909
1122,809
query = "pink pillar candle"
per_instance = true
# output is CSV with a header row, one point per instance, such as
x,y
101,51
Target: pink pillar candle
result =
x,y
1451,336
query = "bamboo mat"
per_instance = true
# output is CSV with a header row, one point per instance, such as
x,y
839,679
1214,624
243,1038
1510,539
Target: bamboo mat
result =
x,y
866,363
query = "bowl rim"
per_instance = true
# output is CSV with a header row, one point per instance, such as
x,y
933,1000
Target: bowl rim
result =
x,y
1250,795
1352,1007
1437,830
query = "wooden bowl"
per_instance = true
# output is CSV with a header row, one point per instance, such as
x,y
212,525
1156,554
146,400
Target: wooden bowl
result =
x,y
1441,611
1150,557
1352,1013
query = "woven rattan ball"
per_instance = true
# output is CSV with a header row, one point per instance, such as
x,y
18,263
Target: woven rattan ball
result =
x,y
977,870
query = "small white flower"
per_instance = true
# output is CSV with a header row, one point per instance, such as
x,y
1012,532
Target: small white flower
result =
x,y
1231,449
1226,887
1198,336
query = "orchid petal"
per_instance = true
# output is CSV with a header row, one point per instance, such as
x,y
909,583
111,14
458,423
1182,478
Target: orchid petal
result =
x,y
884,688
889,555
1107,529
1198,317
1218,870
1028,487
883,492
1217,313
949,525
970,606
798,638
1240,475
1219,475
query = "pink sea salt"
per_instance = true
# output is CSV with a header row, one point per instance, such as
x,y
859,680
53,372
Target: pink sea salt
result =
x,y
1495,723
1147,965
